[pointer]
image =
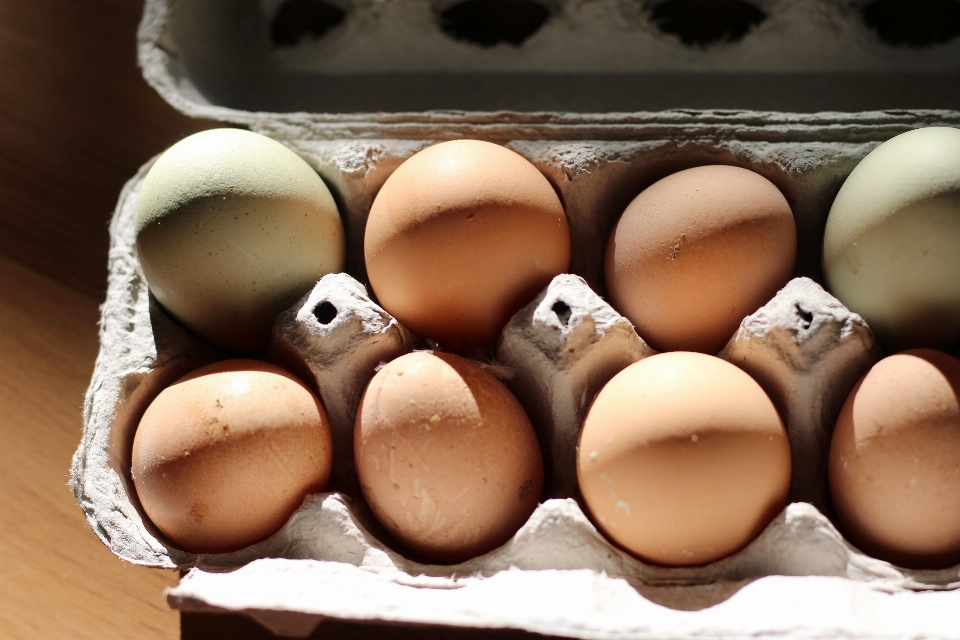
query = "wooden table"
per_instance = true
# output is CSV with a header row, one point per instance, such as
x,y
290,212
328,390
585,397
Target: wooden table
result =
x,y
76,120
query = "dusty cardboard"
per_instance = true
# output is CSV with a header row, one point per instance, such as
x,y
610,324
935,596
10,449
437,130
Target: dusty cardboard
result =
x,y
799,579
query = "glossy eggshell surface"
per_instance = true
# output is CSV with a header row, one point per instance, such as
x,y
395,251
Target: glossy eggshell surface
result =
x,y
460,237
895,460
225,455
891,248
698,251
447,459
232,227
683,459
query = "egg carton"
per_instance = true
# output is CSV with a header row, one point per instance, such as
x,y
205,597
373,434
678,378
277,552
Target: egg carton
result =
x,y
580,98
800,578
232,60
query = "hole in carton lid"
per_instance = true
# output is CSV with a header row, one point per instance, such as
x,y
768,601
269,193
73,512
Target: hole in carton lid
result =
x,y
492,22
705,22
913,23
562,309
806,317
299,20
325,312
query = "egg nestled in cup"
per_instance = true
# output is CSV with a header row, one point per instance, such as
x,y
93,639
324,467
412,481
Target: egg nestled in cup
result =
x,y
461,236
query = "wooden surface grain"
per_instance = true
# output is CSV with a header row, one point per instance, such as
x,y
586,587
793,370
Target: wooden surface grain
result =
x,y
76,121
56,579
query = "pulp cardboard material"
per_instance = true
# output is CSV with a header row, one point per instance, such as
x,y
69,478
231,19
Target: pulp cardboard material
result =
x,y
557,575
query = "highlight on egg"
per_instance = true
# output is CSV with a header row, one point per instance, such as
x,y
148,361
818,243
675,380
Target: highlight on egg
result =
x,y
232,228
698,251
683,459
460,237
446,456
225,455
894,465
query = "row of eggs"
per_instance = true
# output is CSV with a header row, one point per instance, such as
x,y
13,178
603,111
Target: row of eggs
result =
x,y
683,458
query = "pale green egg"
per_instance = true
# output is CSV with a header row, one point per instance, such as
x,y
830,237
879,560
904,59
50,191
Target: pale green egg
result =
x,y
232,228
891,248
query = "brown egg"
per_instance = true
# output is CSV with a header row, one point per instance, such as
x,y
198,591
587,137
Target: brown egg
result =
x,y
697,252
683,459
225,455
895,460
460,237
446,456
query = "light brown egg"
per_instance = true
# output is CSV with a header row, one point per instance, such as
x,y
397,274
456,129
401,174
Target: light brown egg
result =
x,y
225,455
460,237
683,459
895,460
446,456
697,252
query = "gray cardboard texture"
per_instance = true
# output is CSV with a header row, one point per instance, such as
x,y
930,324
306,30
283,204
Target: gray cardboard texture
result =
x,y
799,345
800,578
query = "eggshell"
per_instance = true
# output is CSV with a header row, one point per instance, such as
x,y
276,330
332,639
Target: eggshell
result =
x,y
891,248
447,459
895,460
683,459
460,237
698,251
225,455
232,227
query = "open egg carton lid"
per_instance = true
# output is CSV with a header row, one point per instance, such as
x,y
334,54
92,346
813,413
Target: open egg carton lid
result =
x,y
797,91
558,69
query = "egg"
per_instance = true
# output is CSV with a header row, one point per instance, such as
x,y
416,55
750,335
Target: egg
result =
x,y
232,228
447,458
683,459
461,236
894,463
698,251
224,456
891,247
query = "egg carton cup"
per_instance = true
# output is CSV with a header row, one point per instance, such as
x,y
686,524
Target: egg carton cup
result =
x,y
557,574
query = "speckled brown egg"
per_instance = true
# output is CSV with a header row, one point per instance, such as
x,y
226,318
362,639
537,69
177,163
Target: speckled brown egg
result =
x,y
697,252
225,455
683,459
446,456
895,460
460,237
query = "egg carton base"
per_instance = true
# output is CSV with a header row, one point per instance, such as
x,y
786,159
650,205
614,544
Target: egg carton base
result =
x,y
797,345
292,597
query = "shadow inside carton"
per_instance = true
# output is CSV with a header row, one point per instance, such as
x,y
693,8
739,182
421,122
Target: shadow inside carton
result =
x,y
705,22
491,22
913,23
300,20
691,597
286,90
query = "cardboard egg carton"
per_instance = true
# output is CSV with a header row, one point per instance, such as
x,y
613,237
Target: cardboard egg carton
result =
x,y
804,347
581,98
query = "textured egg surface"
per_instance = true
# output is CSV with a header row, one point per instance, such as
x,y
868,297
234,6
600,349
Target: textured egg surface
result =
x,y
447,458
683,459
232,228
461,236
698,251
225,455
891,248
895,460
